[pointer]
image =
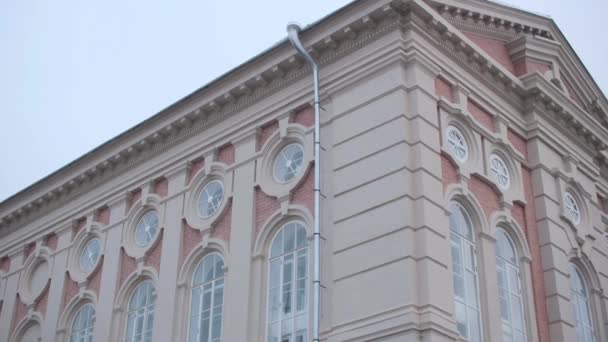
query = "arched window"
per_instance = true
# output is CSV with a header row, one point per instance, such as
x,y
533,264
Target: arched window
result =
x,y
579,297
140,315
82,326
287,285
207,302
509,289
464,268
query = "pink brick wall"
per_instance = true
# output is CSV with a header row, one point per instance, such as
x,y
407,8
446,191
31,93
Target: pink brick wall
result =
x,y
43,299
528,66
134,197
51,241
449,174
518,142
265,132
80,223
223,227
29,248
70,289
443,88
161,187
264,207
196,166
20,312
152,258
305,117
226,154
95,279
481,115
538,281
305,193
103,215
5,264
485,194
518,212
190,238
497,49
602,203
127,266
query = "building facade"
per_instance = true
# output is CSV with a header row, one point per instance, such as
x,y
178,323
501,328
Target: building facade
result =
x,y
464,196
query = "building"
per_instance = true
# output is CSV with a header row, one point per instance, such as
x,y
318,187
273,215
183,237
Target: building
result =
x,y
464,181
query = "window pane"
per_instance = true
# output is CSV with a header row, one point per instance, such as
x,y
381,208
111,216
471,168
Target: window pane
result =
x,y
301,236
274,304
461,318
273,333
289,237
474,333
287,298
277,246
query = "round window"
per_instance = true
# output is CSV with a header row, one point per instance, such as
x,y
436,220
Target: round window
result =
x,y
146,228
500,172
457,145
288,162
210,198
90,254
571,208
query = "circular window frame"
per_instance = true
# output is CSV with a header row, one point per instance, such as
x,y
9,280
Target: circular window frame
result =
x,y
200,194
294,134
275,159
40,255
156,233
213,172
135,214
80,258
88,233
505,164
452,128
566,211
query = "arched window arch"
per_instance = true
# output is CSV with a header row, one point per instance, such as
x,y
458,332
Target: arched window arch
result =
x,y
83,323
509,289
579,297
464,272
287,318
206,306
140,314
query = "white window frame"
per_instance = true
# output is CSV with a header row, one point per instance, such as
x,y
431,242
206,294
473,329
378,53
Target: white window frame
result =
x,y
303,314
85,334
140,222
146,313
470,294
501,170
82,255
512,290
452,146
572,207
219,204
296,171
216,284
581,303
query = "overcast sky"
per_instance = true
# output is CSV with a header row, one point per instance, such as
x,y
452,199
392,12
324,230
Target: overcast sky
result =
x,y
74,74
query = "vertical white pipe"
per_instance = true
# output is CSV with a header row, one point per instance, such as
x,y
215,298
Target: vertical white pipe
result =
x,y
293,30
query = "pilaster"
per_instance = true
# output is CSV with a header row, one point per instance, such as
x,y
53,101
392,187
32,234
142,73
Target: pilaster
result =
x,y
10,295
60,261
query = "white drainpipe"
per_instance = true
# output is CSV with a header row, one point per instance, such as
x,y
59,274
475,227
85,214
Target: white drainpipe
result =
x,y
293,30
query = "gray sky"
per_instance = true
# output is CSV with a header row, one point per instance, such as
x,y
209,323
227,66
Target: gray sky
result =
x,y
74,74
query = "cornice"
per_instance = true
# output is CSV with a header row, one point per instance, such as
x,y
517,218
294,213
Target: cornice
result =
x,y
192,121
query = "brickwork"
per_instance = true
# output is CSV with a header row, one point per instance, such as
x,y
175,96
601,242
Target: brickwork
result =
x,y
223,226
265,206
226,154
70,289
152,258
265,132
43,300
161,187
133,198
481,115
195,167
305,193
94,281
20,312
304,117
443,88
103,215
51,241
127,266
190,238
449,174
5,264
518,142
497,49
485,194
